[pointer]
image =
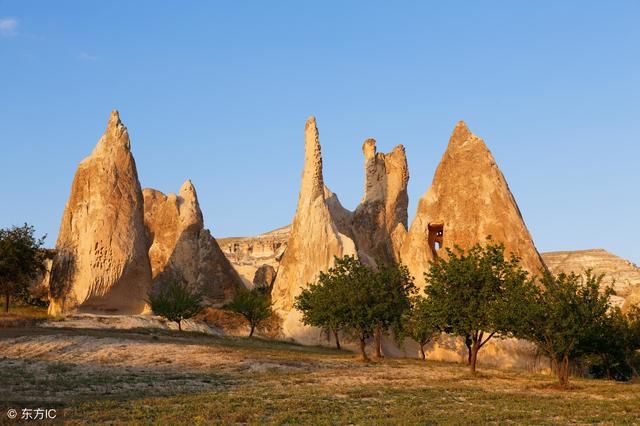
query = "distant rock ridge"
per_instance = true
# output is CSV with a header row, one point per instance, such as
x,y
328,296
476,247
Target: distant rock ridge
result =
x,y
619,272
248,254
182,250
102,262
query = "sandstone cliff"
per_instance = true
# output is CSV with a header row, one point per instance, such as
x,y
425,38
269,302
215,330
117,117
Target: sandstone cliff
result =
x,y
314,241
102,262
248,254
181,249
624,275
468,200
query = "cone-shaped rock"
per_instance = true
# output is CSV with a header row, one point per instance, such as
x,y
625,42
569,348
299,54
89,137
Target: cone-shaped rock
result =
x,y
380,221
314,241
181,249
468,200
101,262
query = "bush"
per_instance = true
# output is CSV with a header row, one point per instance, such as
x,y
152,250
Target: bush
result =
x,y
176,302
253,305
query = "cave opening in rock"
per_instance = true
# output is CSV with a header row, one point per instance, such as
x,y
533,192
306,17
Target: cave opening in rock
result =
x,y
436,237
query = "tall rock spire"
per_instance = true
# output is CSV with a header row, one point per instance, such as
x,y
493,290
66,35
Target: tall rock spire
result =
x,y
380,221
101,261
469,200
314,241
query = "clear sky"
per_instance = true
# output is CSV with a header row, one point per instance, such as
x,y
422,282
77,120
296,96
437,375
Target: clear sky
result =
x,y
219,92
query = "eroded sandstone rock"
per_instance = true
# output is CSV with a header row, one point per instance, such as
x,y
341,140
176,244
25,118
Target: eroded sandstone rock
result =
x,y
314,241
620,273
101,261
380,221
468,200
248,254
264,277
181,249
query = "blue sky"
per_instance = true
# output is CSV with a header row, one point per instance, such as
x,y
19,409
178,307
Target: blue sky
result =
x,y
219,92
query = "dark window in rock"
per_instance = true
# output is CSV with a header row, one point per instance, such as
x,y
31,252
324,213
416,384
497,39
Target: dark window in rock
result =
x,y
436,237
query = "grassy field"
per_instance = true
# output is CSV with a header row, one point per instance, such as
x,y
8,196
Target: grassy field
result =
x,y
162,377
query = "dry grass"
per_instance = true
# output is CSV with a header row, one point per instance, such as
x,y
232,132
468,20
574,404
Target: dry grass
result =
x,y
103,376
22,316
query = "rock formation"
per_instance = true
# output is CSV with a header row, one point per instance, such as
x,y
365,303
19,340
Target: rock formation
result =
x,y
468,200
314,241
264,277
181,249
380,221
102,262
248,254
619,272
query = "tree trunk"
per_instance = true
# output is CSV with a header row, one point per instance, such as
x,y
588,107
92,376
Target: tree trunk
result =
x,y
7,296
424,356
563,371
363,352
179,325
253,327
378,342
474,357
468,342
335,334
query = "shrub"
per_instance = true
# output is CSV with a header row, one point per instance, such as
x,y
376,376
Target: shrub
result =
x,y
253,305
176,302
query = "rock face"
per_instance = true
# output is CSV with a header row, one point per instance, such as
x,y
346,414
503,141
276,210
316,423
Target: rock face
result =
x,y
380,221
181,249
102,262
322,228
624,275
468,200
264,277
248,254
314,241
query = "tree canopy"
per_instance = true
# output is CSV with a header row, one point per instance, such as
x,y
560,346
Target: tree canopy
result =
x,y
176,302
563,316
253,305
467,290
21,260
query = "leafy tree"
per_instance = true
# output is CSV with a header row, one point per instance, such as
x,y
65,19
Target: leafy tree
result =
x,y
361,297
468,291
176,302
421,323
21,260
253,305
393,287
610,349
562,316
322,303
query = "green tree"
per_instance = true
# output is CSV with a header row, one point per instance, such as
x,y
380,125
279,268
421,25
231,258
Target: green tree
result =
x,y
420,323
253,305
176,302
610,349
21,260
562,316
322,303
468,291
361,297
392,288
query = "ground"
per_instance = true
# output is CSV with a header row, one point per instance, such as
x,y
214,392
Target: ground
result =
x,y
170,377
